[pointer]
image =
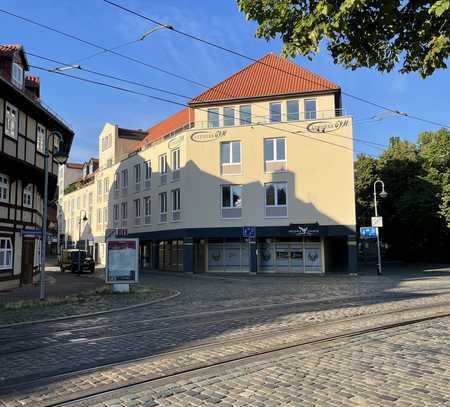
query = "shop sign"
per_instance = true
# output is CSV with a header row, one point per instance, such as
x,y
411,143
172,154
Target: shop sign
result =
x,y
205,136
175,142
122,264
367,232
304,229
327,126
31,232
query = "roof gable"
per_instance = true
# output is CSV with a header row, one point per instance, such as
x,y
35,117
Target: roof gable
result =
x,y
269,76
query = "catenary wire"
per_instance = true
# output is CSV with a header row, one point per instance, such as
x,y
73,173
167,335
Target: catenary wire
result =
x,y
369,143
240,54
186,105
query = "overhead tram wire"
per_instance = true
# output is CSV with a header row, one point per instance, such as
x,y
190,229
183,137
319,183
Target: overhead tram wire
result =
x,y
240,54
369,143
186,105
377,145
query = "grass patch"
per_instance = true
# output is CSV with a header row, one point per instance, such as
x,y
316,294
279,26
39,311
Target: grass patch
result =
x,y
88,296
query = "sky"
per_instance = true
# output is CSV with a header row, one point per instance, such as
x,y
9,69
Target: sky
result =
x,y
87,107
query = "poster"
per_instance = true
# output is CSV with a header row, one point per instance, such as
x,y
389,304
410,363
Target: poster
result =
x,y
122,263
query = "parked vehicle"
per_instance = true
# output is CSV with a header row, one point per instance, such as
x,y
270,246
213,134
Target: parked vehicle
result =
x,y
69,260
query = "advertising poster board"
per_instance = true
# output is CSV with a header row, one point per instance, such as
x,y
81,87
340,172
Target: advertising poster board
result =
x,y
122,261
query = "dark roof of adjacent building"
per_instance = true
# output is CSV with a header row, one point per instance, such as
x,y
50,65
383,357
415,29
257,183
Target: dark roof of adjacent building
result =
x,y
271,75
131,134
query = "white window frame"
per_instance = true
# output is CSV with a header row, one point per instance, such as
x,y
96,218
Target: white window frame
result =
x,y
6,247
226,116
137,173
148,169
116,181
124,178
116,212
232,186
27,196
290,102
242,120
213,112
106,185
11,123
230,157
137,208
105,215
275,149
176,200
276,185
17,75
124,210
4,188
175,154
147,206
308,113
163,164
272,104
163,203
40,139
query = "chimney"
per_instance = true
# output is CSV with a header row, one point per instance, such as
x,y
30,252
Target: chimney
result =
x,y
32,86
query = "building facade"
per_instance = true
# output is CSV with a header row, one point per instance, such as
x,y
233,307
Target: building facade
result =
x,y
25,124
255,175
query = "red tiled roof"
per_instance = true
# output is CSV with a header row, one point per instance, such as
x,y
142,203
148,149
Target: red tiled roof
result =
x,y
266,78
167,126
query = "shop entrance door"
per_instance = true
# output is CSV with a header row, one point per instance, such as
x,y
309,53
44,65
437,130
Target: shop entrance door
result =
x,y
26,276
296,258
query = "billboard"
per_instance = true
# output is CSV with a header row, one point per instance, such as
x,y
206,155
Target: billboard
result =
x,y
122,261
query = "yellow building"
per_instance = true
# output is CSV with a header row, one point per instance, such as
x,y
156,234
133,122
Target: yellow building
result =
x,y
256,175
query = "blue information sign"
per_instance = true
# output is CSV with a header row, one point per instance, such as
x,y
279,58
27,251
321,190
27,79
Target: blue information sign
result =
x,y
368,232
249,232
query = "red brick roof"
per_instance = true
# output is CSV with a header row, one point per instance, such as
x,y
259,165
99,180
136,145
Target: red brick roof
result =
x,y
167,126
271,75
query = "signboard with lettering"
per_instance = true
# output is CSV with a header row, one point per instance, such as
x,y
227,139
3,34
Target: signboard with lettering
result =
x,y
304,229
327,126
31,232
204,136
122,263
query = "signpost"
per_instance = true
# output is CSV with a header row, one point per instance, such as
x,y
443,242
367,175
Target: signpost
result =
x,y
122,263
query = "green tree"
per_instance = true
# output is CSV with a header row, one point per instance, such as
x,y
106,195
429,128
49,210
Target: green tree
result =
x,y
416,209
359,33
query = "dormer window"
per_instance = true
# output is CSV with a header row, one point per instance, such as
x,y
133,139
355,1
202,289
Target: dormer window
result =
x,y
17,75
85,171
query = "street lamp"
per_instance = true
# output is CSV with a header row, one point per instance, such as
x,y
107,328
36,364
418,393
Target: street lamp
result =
x,y
79,239
383,194
60,157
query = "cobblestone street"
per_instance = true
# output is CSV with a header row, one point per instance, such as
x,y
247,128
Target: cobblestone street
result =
x,y
270,321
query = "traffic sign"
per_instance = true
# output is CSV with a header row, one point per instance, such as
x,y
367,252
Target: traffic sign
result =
x,y
367,232
377,221
249,232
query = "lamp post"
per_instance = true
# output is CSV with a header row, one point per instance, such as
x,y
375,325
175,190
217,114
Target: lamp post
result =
x,y
60,157
79,239
383,194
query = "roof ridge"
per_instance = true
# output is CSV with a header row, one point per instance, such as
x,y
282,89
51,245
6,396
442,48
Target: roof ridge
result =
x,y
232,75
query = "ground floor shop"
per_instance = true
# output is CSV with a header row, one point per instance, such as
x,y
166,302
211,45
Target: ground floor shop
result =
x,y
273,251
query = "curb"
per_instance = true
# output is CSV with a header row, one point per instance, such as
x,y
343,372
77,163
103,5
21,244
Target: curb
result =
x,y
89,314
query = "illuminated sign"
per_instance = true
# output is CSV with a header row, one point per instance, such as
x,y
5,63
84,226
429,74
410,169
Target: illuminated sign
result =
x,y
205,136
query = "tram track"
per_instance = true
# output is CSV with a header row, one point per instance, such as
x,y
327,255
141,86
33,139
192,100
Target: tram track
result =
x,y
64,337
98,394
265,338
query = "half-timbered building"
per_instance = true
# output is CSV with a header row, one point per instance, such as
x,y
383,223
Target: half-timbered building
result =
x,y
25,125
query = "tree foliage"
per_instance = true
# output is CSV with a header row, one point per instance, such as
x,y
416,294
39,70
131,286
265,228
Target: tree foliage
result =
x,y
359,33
417,210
